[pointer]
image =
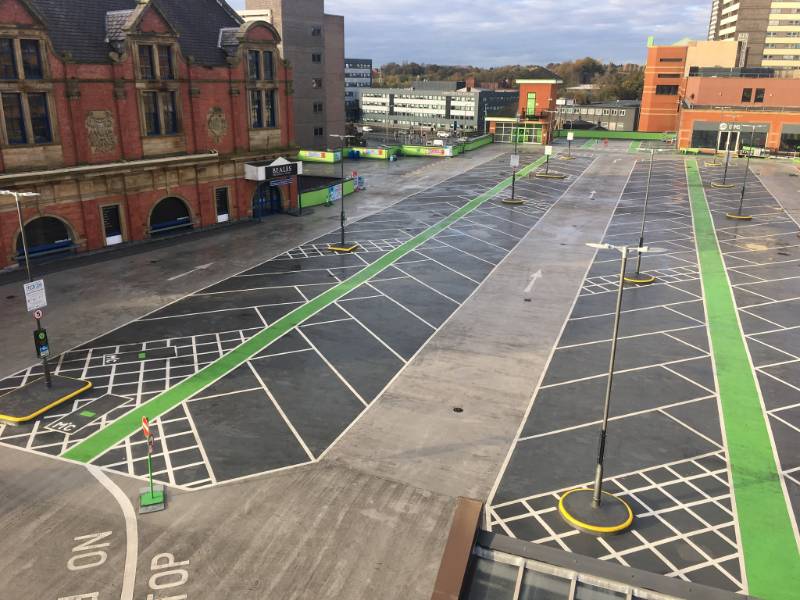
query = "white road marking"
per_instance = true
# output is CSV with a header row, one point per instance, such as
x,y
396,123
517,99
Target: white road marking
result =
x,y
131,531
182,275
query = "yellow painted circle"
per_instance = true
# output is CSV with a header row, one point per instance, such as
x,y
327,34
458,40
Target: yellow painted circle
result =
x,y
594,528
740,217
640,281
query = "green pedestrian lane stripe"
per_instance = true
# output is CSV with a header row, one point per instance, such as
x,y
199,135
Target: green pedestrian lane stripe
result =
x,y
769,547
633,148
105,439
589,143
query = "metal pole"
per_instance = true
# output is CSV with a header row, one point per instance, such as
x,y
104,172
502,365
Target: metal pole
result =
x,y
547,165
342,199
514,169
644,212
47,378
727,159
601,450
747,168
22,234
150,470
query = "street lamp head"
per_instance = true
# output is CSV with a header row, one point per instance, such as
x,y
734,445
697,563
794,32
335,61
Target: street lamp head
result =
x,y
600,246
649,250
18,194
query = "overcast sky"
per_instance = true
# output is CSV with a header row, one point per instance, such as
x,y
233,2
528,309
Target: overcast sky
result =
x,y
500,32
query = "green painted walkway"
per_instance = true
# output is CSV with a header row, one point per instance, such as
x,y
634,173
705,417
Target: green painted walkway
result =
x,y
589,143
633,147
128,424
771,557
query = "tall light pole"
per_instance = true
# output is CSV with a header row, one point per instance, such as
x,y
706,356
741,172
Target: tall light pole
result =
x,y
590,509
638,278
724,183
738,215
342,246
17,196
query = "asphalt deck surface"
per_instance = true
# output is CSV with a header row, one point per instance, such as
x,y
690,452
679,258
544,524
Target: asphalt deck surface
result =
x,y
434,313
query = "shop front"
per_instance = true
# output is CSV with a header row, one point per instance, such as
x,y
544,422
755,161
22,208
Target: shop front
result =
x,y
277,190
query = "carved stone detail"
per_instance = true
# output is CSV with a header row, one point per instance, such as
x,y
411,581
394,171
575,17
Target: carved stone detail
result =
x,y
100,130
217,124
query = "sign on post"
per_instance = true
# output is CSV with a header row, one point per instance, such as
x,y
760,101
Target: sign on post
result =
x,y
515,161
42,343
35,296
570,136
146,427
548,151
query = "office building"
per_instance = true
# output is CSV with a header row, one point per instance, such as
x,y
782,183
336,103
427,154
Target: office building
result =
x,y
767,31
531,119
433,104
313,43
132,119
615,115
714,105
357,76
666,73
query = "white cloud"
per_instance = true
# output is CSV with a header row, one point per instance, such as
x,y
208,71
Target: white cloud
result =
x,y
514,31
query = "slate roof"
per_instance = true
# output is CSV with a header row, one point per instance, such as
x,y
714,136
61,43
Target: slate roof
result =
x,y
80,26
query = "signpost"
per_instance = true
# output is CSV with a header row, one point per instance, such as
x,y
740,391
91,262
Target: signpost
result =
x,y
36,300
548,152
515,160
35,295
729,128
152,498
570,138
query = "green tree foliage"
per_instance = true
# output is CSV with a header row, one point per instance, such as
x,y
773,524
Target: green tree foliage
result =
x,y
615,82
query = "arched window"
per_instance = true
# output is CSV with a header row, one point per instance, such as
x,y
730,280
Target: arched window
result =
x,y
170,214
45,235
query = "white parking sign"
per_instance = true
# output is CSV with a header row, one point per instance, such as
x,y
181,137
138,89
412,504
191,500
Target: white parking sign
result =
x,y
35,296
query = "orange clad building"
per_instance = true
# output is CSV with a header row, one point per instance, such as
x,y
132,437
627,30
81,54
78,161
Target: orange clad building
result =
x,y
697,90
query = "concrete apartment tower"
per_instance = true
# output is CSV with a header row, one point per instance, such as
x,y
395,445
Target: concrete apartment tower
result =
x,y
768,31
313,43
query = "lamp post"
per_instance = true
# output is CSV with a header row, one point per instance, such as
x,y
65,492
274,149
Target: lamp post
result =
x,y
342,246
738,215
590,509
725,183
640,279
17,196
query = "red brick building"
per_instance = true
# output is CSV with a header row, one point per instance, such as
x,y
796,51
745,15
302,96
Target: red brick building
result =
x,y
531,119
135,118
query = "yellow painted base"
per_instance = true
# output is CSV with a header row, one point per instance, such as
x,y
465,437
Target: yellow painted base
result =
x,y
641,280
722,185
44,409
514,202
562,157
550,176
713,164
739,217
343,249
589,527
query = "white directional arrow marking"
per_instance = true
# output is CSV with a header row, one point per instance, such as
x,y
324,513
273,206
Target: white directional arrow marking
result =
x,y
529,290
200,268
